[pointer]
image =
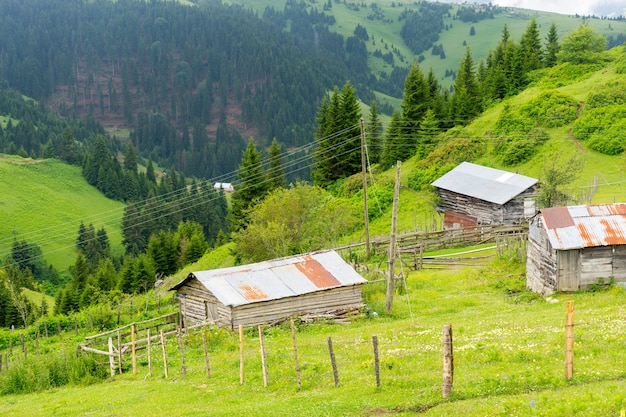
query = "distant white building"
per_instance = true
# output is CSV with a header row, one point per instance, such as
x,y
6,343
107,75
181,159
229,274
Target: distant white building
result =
x,y
226,186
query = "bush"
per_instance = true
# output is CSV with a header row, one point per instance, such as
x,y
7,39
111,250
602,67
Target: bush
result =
x,y
595,120
551,109
423,177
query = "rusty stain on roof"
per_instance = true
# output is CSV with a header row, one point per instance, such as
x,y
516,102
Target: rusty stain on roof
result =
x,y
557,217
577,227
252,293
316,273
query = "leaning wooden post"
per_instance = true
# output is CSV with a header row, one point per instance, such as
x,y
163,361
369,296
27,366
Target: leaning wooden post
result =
x,y
206,356
392,243
332,361
241,364
376,362
111,357
132,347
181,346
263,356
295,354
149,352
165,370
119,350
448,361
569,341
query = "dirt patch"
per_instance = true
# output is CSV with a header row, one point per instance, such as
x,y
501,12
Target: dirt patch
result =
x,y
20,162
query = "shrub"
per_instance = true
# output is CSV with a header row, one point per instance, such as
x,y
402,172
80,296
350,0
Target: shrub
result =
x,y
423,177
551,109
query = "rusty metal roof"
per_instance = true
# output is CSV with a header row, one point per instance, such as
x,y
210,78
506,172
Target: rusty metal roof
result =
x,y
484,183
270,280
578,227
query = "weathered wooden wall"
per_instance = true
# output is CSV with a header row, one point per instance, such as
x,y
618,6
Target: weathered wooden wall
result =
x,y
549,270
198,305
541,266
515,211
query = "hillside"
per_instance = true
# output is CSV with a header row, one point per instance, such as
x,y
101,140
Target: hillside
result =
x,y
44,202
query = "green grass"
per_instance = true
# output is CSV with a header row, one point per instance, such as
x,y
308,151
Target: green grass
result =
x,y
44,201
508,347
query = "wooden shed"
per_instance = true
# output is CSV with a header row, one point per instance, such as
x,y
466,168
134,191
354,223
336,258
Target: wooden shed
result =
x,y
571,248
270,291
473,195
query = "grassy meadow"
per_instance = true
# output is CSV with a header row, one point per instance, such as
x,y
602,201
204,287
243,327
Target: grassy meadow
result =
x,y
508,359
44,202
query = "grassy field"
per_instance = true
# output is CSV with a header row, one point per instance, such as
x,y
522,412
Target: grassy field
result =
x,y
44,202
508,353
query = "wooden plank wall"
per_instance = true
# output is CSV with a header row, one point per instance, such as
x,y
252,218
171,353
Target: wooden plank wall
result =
x,y
541,265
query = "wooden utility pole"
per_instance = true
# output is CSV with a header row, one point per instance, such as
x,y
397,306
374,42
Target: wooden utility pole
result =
x,y
392,243
365,209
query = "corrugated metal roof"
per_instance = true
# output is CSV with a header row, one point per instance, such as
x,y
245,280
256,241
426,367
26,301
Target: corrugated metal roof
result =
x,y
578,227
278,278
484,183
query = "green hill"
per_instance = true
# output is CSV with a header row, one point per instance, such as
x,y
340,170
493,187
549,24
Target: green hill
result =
x,y
44,202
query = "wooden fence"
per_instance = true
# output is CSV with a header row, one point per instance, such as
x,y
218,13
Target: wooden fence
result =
x,y
188,356
412,246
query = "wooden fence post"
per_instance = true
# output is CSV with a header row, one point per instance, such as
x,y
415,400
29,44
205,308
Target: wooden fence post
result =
x,y
206,356
569,341
448,361
111,357
119,350
295,354
376,362
181,346
263,356
332,361
149,352
241,364
165,370
132,347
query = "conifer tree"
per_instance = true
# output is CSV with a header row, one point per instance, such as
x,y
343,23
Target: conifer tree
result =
x,y
374,135
395,148
466,100
552,47
531,47
252,185
69,150
275,170
416,100
338,153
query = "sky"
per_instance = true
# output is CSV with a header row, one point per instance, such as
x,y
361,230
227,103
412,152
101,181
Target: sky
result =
x,y
610,8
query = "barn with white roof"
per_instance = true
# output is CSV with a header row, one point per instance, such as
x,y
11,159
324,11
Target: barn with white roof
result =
x,y
474,195
573,248
270,291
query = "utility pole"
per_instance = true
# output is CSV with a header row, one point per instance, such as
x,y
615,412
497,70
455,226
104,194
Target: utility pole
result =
x,y
392,242
365,209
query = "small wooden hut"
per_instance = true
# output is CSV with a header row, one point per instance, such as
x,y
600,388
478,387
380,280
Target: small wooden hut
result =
x,y
572,248
473,195
270,291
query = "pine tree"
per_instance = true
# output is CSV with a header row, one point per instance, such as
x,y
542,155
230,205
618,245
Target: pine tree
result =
x,y
552,47
252,185
531,47
374,135
69,150
275,170
130,158
338,153
466,100
416,100
428,131
395,148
